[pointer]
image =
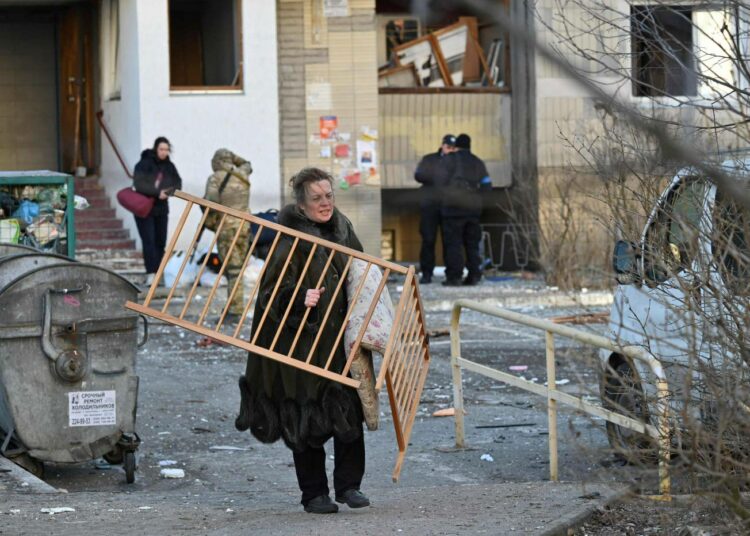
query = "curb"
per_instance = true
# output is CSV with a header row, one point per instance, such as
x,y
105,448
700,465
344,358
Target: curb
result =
x,y
23,477
566,523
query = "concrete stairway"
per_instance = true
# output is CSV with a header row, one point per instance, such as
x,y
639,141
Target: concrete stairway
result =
x,y
101,237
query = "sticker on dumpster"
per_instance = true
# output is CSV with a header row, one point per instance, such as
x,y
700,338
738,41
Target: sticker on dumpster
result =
x,y
91,408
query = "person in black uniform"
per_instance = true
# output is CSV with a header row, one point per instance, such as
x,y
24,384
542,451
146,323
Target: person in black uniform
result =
x,y
431,172
461,209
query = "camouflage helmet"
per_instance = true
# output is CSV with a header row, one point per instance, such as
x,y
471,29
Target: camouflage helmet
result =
x,y
223,159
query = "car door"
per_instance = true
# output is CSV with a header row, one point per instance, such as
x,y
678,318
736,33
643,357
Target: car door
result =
x,y
727,294
658,312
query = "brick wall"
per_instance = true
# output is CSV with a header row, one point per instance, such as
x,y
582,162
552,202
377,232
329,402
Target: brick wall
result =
x,y
327,66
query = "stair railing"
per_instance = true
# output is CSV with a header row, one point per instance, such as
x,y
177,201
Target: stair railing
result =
x,y
100,118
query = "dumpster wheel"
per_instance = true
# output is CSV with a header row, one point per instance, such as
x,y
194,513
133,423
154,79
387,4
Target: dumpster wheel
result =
x,y
114,457
129,465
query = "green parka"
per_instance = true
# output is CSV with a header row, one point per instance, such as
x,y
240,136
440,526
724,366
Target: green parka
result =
x,y
278,401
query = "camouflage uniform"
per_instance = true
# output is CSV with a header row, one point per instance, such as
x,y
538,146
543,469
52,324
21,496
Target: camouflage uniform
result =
x,y
236,194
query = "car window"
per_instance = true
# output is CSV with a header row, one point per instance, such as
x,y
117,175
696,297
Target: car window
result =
x,y
729,242
672,239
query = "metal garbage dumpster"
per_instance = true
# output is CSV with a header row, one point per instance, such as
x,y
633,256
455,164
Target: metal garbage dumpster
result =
x,y
12,249
68,389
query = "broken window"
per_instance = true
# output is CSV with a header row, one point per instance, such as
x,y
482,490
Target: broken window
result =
x,y
205,44
394,31
452,46
662,48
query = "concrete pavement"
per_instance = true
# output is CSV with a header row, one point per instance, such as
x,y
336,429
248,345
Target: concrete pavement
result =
x,y
187,403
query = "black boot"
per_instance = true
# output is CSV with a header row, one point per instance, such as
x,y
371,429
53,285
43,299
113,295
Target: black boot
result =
x,y
353,499
322,504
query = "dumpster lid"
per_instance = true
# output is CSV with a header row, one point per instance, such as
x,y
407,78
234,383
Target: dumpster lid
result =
x,y
77,264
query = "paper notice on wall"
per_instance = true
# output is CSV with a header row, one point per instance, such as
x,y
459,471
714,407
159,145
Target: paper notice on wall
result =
x,y
328,124
92,408
342,150
366,154
336,8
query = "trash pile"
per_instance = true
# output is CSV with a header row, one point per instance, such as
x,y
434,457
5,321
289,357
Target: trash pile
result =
x,y
35,215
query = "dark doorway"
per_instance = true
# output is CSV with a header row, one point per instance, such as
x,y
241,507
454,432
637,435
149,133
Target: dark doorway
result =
x,y
46,87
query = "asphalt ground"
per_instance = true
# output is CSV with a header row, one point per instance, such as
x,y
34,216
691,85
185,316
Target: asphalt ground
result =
x,y
233,484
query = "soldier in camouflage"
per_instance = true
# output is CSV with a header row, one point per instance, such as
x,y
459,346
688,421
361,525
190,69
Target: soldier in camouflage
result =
x,y
229,185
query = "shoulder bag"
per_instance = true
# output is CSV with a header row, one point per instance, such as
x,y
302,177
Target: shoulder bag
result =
x,y
135,202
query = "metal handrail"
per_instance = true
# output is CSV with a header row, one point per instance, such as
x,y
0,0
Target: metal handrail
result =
x,y
660,432
100,118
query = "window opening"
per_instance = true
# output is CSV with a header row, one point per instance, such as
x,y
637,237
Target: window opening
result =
x,y
663,53
205,44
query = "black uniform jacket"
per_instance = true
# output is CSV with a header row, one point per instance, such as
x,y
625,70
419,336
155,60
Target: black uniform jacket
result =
x,y
467,176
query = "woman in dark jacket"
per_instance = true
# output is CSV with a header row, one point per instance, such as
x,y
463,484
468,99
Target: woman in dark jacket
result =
x,y
156,176
282,402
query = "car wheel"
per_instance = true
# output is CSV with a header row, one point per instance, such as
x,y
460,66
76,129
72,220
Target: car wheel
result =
x,y
623,394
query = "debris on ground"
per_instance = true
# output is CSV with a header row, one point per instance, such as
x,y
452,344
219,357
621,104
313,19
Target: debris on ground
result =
x,y
57,510
513,425
446,412
487,458
172,473
438,332
204,342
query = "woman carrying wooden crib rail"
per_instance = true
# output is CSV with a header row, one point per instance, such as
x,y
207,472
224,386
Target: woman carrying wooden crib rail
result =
x,y
279,401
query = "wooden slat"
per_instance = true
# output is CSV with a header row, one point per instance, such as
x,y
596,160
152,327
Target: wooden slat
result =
x,y
411,333
395,413
390,346
413,381
168,254
294,295
239,282
244,345
202,268
324,322
307,311
416,393
256,286
420,341
276,287
224,264
407,387
399,364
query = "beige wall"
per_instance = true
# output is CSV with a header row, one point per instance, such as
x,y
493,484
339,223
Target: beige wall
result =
x,y
412,125
327,66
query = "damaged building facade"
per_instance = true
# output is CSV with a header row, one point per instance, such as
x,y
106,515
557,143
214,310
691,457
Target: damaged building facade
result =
x,y
362,88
